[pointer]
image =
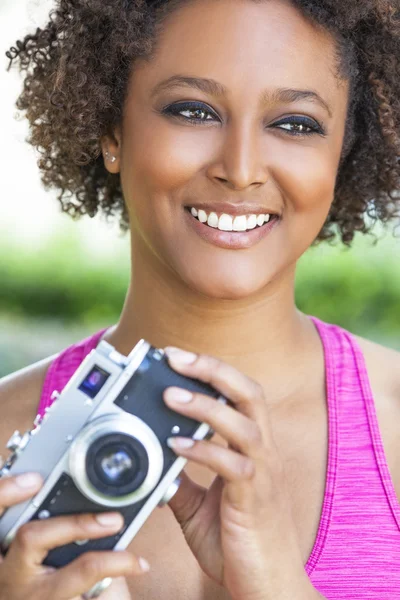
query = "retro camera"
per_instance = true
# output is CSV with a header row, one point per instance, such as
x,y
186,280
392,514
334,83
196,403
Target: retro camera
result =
x,y
102,444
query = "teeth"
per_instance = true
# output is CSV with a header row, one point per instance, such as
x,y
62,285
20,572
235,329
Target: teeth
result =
x,y
202,216
251,221
240,223
228,223
225,223
212,220
260,220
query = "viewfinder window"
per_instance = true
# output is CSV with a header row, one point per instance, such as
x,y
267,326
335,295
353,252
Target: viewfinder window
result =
x,y
93,382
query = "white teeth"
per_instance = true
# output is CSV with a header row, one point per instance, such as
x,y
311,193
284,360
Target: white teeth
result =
x,y
240,223
212,220
202,216
251,221
260,220
228,223
225,223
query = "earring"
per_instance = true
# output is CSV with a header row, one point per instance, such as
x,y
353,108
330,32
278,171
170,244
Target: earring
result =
x,y
109,157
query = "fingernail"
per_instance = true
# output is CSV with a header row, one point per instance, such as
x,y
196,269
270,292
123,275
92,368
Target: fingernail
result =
x,y
144,565
178,395
181,356
177,443
28,480
109,519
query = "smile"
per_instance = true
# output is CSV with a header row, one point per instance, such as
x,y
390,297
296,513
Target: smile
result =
x,y
218,230
227,222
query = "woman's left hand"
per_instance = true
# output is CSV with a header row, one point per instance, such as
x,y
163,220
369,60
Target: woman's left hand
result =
x,y
241,529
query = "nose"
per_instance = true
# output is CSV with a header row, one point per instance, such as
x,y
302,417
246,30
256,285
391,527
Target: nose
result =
x,y
241,161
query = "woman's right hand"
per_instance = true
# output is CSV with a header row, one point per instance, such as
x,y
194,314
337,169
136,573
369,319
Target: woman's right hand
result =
x,y
22,574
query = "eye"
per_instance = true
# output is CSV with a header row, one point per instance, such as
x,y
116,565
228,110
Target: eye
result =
x,y
300,126
198,109
201,113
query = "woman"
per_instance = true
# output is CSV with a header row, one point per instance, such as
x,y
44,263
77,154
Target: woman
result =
x,y
232,135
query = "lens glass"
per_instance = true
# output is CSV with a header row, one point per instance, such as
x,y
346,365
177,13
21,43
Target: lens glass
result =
x,y
117,464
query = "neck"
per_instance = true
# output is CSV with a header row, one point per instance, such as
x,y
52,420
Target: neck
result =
x,y
264,336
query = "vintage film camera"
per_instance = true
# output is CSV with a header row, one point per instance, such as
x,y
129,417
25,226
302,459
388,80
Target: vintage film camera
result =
x,y
102,444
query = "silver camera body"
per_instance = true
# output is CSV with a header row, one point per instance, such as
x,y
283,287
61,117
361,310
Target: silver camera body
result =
x,y
102,445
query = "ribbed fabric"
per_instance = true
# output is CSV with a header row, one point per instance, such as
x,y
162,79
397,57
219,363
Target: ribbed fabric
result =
x,y
356,554
357,551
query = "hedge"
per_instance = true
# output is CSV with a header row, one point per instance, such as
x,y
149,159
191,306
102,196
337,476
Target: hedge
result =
x,y
358,289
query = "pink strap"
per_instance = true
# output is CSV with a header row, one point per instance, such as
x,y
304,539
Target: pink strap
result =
x,y
376,435
329,338
64,366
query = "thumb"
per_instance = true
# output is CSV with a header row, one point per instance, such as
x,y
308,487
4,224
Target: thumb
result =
x,y
187,500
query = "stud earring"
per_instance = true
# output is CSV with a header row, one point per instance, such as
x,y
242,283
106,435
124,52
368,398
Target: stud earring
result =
x,y
109,157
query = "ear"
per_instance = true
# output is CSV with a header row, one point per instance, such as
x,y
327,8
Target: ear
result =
x,y
111,149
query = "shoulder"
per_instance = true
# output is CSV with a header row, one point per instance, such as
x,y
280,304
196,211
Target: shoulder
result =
x,y
383,367
21,391
14,388
20,394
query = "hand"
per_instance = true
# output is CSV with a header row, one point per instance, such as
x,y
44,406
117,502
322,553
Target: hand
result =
x,y
22,574
241,529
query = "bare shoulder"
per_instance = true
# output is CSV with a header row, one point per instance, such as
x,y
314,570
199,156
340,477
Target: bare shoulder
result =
x,y
19,398
383,366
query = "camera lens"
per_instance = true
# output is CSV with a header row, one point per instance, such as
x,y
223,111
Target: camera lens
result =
x,y
116,460
116,464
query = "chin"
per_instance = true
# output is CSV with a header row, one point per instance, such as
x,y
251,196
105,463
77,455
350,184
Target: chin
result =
x,y
225,288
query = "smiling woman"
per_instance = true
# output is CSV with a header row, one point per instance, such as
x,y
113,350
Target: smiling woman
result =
x,y
230,137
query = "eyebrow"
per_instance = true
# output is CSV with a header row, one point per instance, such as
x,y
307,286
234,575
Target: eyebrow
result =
x,y
214,88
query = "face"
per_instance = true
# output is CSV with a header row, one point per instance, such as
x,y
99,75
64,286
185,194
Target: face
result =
x,y
237,147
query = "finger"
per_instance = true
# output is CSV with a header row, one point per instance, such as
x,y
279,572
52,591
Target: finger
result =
x,y
83,573
35,539
187,500
14,490
238,430
227,463
242,391
190,497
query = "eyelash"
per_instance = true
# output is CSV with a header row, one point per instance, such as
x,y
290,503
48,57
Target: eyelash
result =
x,y
175,109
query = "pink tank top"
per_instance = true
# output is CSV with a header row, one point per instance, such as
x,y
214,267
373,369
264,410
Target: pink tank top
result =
x,y
356,554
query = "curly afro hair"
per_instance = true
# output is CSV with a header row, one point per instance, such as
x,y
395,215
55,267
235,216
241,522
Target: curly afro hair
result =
x,y
77,72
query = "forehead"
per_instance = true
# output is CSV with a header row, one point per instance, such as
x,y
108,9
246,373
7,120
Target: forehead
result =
x,y
245,45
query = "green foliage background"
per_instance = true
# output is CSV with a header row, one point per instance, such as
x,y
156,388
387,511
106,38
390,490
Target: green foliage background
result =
x,y
60,282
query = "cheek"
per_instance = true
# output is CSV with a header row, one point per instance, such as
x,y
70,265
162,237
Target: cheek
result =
x,y
158,172
310,184
309,191
165,161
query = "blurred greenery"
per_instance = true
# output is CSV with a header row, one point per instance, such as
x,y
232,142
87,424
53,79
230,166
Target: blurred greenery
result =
x,y
61,282
358,288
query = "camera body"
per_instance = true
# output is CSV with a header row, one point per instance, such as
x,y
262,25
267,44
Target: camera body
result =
x,y
102,445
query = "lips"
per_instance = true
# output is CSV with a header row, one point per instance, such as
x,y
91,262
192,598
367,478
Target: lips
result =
x,y
230,239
